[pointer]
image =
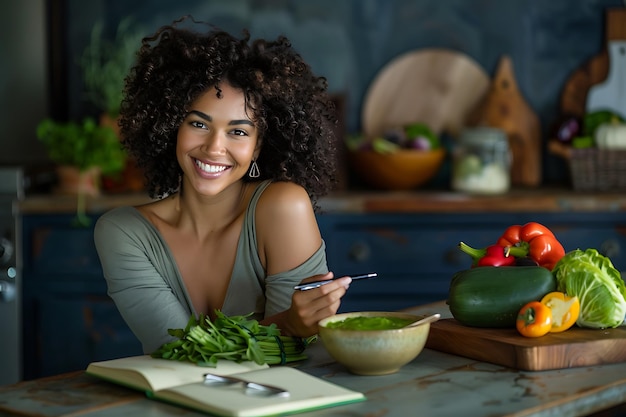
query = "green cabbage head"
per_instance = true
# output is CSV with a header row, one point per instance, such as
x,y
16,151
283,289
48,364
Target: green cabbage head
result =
x,y
598,285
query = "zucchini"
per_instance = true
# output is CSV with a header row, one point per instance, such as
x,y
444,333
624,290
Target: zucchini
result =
x,y
489,296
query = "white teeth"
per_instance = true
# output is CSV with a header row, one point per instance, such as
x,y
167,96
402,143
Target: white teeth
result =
x,y
212,169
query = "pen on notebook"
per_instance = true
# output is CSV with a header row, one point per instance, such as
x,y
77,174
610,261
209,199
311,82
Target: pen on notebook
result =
x,y
317,284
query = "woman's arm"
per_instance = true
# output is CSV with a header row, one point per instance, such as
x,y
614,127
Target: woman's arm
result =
x,y
288,235
141,281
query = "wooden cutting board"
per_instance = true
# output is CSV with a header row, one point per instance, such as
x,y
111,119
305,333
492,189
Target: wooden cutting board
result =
x,y
595,70
573,348
438,87
574,95
504,107
611,94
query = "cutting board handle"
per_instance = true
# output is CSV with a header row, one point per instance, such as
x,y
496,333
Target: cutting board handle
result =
x,y
615,24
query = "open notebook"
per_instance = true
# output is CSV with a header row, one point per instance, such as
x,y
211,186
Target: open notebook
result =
x,y
261,390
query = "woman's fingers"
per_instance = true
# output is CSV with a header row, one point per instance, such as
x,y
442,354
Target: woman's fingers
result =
x,y
313,305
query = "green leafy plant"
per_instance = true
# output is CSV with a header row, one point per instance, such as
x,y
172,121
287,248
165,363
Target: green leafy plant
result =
x,y
82,145
106,63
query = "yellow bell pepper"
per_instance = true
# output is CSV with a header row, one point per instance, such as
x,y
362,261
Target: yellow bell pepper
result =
x,y
565,310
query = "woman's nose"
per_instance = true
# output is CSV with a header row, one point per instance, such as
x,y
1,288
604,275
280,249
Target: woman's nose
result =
x,y
214,142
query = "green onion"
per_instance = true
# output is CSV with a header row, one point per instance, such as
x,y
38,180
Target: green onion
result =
x,y
235,338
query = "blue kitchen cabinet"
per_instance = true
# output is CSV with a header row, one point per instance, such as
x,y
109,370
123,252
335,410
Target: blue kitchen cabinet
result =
x,y
416,254
68,319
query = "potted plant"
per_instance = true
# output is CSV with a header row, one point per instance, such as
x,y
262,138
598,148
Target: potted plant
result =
x,y
106,63
83,152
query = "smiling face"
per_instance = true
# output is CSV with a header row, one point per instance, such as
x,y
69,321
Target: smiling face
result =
x,y
217,141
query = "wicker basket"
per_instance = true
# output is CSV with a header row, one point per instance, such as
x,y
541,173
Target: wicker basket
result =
x,y
593,169
598,169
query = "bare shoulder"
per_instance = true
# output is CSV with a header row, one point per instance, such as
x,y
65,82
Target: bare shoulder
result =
x,y
284,199
287,230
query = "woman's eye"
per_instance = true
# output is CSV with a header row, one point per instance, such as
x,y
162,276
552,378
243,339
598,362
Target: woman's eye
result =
x,y
239,132
198,124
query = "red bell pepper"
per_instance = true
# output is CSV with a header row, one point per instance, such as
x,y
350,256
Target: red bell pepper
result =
x,y
494,255
536,241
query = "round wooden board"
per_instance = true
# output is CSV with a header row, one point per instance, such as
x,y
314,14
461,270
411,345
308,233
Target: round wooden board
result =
x,y
438,87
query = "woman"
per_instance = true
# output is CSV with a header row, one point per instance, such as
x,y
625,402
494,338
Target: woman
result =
x,y
236,141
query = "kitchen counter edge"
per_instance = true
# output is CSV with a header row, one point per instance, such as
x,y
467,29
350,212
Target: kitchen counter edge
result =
x,y
544,200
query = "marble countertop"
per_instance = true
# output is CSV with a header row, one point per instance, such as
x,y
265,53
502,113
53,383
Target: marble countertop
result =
x,y
435,384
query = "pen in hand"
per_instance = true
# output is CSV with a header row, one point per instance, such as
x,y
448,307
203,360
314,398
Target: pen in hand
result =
x,y
317,284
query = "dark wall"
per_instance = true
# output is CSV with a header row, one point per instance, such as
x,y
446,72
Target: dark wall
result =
x,y
349,41
23,88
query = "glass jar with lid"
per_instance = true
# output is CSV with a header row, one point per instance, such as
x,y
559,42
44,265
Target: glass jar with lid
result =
x,y
481,161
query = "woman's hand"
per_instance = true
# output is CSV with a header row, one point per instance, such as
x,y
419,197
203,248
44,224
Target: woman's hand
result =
x,y
308,307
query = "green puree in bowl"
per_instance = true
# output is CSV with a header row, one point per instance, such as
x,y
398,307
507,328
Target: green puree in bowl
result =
x,y
369,323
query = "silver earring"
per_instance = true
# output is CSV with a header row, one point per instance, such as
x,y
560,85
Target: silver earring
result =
x,y
254,170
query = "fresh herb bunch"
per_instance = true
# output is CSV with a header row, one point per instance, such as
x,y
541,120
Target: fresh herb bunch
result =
x,y
235,338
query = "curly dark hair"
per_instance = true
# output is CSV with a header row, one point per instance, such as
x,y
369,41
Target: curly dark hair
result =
x,y
294,114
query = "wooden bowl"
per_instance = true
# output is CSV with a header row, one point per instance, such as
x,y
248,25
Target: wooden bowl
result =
x,y
401,170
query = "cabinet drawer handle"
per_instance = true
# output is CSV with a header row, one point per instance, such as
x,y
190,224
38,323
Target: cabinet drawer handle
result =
x,y
455,257
359,252
610,248
8,292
